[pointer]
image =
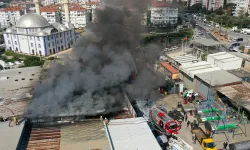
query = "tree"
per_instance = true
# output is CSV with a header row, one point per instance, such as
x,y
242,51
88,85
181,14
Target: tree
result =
x,y
196,7
219,11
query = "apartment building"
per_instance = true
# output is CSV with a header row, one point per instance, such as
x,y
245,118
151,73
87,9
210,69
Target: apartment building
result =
x,y
240,8
212,4
78,16
162,13
9,16
51,13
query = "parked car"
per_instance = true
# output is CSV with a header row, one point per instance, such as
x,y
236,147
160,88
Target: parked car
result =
x,y
174,47
235,44
167,49
239,40
200,33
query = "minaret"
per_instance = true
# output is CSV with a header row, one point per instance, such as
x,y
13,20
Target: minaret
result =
x,y
66,9
37,5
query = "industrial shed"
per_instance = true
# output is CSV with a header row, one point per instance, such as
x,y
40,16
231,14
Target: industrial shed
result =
x,y
238,94
131,134
187,72
172,73
205,82
225,61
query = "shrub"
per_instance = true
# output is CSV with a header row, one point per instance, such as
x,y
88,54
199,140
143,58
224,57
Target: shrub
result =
x,y
32,61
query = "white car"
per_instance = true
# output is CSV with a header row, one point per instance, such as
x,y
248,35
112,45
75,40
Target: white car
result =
x,y
174,47
197,37
164,58
167,49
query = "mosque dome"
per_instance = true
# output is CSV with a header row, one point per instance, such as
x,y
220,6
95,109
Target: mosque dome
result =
x,y
32,20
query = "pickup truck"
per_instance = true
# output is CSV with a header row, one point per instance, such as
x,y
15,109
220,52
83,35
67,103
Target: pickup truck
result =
x,y
206,142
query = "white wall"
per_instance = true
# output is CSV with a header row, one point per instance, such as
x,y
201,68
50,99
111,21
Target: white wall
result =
x,y
163,15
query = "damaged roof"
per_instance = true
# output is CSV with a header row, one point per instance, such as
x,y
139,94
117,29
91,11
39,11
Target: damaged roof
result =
x,y
239,93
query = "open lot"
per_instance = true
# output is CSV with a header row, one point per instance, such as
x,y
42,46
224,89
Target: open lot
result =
x,y
171,101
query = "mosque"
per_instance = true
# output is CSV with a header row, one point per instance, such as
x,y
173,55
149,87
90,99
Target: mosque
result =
x,y
34,35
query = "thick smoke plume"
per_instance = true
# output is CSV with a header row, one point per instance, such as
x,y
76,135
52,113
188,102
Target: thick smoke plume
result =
x,y
89,81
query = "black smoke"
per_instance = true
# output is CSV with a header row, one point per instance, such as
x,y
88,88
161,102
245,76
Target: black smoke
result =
x,y
89,81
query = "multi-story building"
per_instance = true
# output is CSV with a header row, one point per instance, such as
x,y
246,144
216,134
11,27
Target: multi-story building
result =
x,y
212,4
241,7
9,16
77,14
51,13
162,13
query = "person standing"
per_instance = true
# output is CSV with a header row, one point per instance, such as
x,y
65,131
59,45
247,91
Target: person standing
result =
x,y
186,117
225,145
188,123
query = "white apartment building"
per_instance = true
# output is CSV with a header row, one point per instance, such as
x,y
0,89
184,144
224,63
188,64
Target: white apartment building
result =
x,y
34,35
77,16
240,8
51,14
162,13
192,2
9,16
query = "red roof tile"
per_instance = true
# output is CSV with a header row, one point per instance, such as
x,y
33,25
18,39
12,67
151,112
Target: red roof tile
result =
x,y
169,67
77,8
12,9
161,4
48,9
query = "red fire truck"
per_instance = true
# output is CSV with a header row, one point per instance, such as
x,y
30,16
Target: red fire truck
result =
x,y
162,121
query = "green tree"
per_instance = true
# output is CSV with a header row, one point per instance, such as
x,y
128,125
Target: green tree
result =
x,y
32,61
219,11
196,7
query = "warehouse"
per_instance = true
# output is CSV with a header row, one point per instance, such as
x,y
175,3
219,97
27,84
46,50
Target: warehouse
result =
x,y
187,72
179,58
131,134
204,83
225,61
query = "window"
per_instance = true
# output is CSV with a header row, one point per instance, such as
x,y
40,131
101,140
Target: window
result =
x,y
53,43
7,35
60,34
59,48
57,42
40,53
31,44
14,36
52,37
49,44
8,41
33,52
15,43
38,38
30,38
61,40
62,47
50,51
48,38
39,45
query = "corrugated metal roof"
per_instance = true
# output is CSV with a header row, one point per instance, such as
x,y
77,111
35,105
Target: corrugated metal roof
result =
x,y
132,134
239,93
219,77
169,67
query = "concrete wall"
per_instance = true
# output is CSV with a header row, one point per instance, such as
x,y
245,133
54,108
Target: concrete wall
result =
x,y
247,65
200,88
188,83
236,64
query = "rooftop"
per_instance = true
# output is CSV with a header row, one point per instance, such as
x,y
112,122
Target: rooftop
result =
x,y
32,20
77,8
87,135
182,58
10,135
160,4
192,69
208,42
237,93
241,55
48,9
224,57
11,9
132,134
218,78
169,67
240,72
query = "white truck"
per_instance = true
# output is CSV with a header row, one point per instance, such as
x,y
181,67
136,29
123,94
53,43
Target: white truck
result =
x,y
245,31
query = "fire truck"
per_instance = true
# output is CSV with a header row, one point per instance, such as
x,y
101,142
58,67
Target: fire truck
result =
x,y
164,122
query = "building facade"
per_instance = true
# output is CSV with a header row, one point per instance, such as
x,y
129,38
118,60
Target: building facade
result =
x,y
241,7
77,16
51,14
9,16
213,4
163,14
34,35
